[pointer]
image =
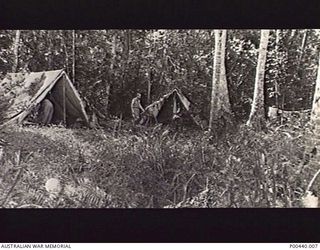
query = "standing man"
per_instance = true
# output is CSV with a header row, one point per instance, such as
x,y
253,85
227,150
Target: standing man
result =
x,y
136,108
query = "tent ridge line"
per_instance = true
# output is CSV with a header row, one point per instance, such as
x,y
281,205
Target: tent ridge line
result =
x,y
53,83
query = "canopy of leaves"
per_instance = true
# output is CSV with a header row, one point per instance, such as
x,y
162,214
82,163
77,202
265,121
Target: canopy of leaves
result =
x,y
129,60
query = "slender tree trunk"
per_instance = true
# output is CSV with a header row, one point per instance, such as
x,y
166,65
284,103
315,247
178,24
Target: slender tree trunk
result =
x,y
127,42
50,49
276,83
164,54
16,51
74,58
111,74
149,80
225,102
64,43
126,50
113,50
257,118
303,44
149,87
315,113
215,80
220,103
278,34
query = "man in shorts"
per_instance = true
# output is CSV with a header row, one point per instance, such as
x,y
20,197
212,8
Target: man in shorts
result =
x,y
136,108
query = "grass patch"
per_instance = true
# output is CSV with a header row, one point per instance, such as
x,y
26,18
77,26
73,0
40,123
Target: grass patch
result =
x,y
153,167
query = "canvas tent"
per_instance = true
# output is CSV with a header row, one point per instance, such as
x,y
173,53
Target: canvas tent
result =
x,y
168,108
24,91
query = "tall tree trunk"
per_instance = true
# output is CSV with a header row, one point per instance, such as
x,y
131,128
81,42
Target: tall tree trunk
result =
x,y
149,80
225,107
315,112
126,50
303,44
276,83
64,44
215,79
74,58
50,48
16,51
257,118
111,74
152,50
220,103
127,42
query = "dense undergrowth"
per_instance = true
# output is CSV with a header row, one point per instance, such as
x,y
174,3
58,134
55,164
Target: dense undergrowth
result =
x,y
153,167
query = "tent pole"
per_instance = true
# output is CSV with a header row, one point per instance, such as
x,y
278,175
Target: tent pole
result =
x,y
174,104
64,102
